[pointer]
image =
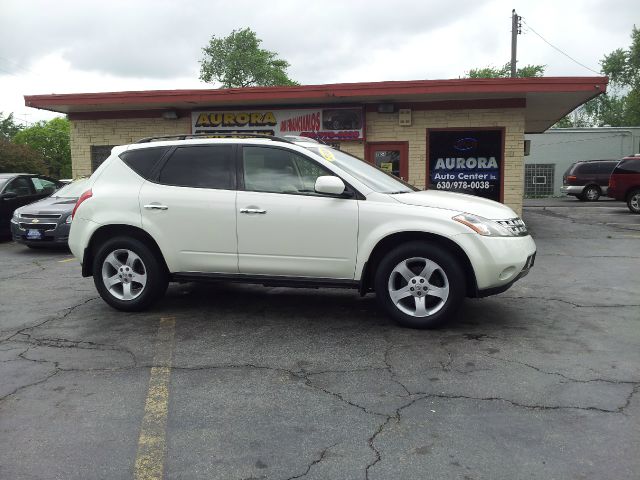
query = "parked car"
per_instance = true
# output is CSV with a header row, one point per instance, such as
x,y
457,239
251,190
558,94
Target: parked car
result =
x,y
47,221
588,180
624,183
18,189
290,213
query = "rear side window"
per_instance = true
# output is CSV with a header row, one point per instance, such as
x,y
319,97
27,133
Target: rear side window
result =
x,y
588,168
200,167
607,167
628,166
143,160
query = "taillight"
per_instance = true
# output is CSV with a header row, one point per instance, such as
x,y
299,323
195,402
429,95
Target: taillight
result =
x,y
86,195
571,178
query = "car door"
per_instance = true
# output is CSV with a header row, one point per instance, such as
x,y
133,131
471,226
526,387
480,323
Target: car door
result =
x,y
284,227
24,194
189,208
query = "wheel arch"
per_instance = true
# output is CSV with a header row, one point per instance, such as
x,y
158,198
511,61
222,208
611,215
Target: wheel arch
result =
x,y
107,232
393,240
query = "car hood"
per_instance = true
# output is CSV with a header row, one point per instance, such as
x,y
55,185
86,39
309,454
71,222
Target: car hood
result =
x,y
50,205
458,202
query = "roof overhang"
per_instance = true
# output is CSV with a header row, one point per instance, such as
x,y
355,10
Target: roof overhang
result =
x,y
545,99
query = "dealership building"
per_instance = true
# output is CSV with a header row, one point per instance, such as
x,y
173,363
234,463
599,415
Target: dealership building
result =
x,y
464,135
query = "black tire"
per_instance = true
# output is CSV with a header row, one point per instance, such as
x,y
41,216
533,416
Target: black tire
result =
x,y
156,274
633,201
591,193
447,263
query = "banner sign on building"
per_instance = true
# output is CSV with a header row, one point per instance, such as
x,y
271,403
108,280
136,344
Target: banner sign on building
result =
x,y
330,124
466,161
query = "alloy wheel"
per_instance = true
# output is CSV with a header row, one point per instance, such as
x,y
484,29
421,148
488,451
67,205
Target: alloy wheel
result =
x,y
124,274
418,287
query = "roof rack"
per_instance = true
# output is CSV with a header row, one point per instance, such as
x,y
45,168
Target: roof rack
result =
x,y
214,135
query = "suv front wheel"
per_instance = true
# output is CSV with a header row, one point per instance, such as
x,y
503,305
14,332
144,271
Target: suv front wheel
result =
x,y
128,275
420,285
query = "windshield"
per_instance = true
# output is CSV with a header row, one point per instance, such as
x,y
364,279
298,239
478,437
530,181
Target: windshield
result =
x,y
72,190
3,181
373,177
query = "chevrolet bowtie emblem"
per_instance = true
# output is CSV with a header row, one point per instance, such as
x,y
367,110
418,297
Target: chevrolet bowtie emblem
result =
x,y
35,220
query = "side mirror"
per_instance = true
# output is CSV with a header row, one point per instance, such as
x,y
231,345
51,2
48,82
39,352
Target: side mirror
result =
x,y
330,185
8,195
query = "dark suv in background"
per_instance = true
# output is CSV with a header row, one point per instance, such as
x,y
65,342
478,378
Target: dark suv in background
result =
x,y
624,183
588,180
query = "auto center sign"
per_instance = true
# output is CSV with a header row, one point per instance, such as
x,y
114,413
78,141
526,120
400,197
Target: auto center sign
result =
x,y
333,124
466,161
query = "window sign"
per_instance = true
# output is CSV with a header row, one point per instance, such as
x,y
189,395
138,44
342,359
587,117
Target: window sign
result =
x,y
327,124
466,161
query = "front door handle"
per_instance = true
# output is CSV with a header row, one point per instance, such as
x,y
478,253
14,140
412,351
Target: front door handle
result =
x,y
253,211
156,206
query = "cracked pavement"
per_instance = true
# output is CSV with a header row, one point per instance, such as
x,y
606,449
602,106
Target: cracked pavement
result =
x,y
272,383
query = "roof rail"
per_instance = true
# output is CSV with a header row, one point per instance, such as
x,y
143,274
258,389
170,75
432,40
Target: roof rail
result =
x,y
214,135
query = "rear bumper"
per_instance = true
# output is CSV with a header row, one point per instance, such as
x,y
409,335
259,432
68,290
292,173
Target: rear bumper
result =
x,y
571,189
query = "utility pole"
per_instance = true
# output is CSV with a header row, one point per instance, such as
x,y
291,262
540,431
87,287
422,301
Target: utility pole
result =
x,y
516,29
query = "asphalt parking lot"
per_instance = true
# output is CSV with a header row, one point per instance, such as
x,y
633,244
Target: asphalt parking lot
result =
x,y
231,381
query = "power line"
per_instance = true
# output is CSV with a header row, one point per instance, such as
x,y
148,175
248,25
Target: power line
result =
x,y
559,50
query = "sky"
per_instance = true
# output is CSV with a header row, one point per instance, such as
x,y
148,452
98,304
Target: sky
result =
x,y
69,46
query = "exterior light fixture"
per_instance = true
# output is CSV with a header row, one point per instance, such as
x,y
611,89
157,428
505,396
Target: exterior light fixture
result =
x,y
386,108
170,115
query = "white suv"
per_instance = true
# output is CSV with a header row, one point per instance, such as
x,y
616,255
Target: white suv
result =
x,y
289,212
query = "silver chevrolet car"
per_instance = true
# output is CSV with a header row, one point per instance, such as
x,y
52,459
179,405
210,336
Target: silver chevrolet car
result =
x,y
47,221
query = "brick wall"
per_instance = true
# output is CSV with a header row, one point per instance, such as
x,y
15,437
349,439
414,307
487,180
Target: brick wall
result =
x,y
380,127
85,133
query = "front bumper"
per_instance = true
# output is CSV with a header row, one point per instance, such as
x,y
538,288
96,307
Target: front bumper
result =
x,y
497,262
58,236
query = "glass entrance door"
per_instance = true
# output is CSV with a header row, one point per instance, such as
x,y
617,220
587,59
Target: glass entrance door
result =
x,y
391,157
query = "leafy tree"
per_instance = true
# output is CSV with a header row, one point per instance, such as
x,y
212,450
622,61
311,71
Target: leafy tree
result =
x,y
620,106
505,71
16,158
238,61
8,126
51,140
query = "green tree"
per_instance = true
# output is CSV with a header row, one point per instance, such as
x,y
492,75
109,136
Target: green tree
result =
x,y
237,61
16,158
51,140
8,126
620,106
505,71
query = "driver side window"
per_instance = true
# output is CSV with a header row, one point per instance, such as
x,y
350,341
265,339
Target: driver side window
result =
x,y
20,186
279,171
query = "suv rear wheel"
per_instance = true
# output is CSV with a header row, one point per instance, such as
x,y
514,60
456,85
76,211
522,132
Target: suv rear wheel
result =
x,y
420,285
633,201
590,193
128,275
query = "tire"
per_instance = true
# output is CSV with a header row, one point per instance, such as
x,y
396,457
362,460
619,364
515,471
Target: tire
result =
x,y
446,275
633,201
591,193
142,270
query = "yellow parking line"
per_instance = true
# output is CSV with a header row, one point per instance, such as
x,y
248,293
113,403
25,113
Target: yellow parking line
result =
x,y
67,260
152,441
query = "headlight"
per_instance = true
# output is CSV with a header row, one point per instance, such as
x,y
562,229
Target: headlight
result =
x,y
69,219
14,218
483,226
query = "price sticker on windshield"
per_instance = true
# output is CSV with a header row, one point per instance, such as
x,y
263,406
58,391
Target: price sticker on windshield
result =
x,y
327,154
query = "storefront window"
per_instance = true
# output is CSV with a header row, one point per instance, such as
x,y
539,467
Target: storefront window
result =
x,y
466,161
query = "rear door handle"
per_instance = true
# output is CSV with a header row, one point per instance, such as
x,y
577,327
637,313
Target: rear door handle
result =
x,y
253,211
156,206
